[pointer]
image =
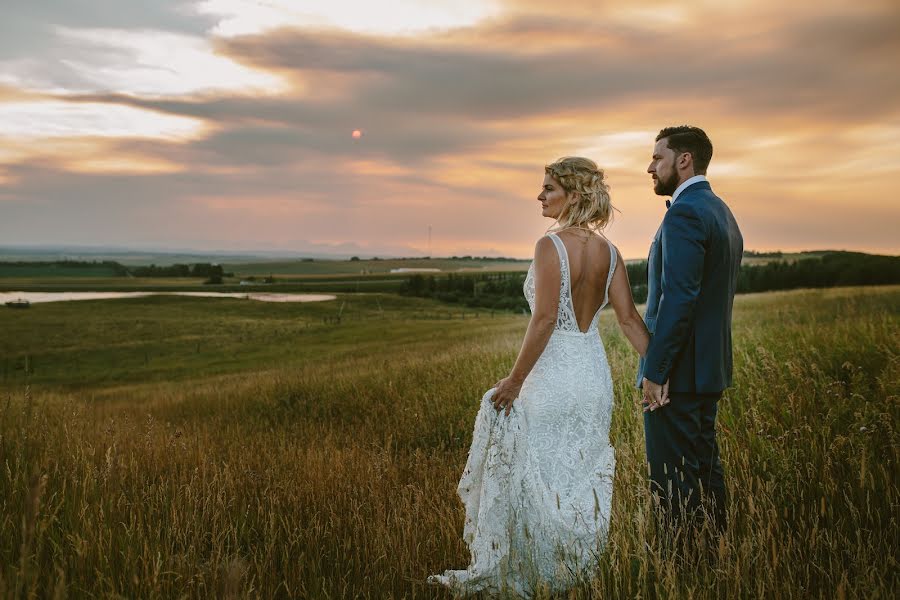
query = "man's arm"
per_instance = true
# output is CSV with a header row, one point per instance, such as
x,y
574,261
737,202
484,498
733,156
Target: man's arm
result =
x,y
684,251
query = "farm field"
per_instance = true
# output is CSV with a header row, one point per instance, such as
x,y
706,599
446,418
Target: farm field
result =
x,y
305,270
290,275
181,447
282,267
383,266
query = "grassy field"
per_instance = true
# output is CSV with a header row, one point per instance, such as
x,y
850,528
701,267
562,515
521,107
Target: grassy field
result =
x,y
87,345
180,447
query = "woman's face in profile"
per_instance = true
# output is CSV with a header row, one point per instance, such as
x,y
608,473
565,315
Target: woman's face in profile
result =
x,y
552,197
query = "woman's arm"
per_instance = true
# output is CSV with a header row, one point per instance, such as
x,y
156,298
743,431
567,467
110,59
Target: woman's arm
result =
x,y
630,320
540,327
633,327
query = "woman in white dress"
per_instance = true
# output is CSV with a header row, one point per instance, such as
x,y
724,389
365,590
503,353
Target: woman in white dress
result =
x,y
537,486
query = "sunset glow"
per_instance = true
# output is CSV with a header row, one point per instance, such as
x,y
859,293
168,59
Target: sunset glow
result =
x,y
353,126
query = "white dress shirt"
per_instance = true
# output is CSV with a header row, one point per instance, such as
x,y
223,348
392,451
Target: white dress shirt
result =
x,y
686,183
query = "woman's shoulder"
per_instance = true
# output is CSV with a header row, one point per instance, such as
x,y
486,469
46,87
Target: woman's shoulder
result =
x,y
608,242
545,250
544,244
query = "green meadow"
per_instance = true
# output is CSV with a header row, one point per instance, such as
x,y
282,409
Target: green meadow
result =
x,y
167,447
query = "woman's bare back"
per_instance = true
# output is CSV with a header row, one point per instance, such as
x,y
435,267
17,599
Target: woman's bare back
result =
x,y
589,260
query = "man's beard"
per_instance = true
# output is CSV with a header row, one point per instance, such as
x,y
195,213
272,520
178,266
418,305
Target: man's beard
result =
x,y
666,187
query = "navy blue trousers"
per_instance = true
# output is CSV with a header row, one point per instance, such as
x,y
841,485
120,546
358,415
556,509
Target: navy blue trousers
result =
x,y
686,475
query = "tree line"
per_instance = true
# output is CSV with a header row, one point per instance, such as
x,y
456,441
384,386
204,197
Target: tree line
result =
x,y
504,290
212,273
830,270
116,268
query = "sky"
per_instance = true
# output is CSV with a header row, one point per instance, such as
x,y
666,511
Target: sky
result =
x,y
229,124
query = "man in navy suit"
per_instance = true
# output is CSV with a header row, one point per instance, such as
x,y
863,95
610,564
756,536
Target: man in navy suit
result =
x,y
692,275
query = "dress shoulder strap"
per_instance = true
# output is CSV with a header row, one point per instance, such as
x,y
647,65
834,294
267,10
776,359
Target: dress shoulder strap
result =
x,y
563,256
565,318
613,262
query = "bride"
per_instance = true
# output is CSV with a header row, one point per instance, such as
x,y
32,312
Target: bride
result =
x,y
538,483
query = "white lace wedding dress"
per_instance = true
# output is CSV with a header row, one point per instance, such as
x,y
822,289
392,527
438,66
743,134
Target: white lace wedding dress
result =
x,y
537,486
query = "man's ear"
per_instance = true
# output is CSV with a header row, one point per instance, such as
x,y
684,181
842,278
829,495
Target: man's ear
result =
x,y
685,160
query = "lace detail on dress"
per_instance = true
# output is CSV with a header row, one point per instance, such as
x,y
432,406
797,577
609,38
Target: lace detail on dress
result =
x,y
528,287
525,527
537,486
565,316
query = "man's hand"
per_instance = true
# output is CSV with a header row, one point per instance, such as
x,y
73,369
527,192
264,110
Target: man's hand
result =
x,y
655,395
507,391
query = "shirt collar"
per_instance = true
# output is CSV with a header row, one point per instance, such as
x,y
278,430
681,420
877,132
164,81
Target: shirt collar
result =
x,y
686,183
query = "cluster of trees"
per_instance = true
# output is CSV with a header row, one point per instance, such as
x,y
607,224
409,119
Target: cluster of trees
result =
x,y
831,270
212,273
501,291
504,290
117,269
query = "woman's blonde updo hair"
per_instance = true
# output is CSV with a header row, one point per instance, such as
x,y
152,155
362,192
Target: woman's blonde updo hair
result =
x,y
592,208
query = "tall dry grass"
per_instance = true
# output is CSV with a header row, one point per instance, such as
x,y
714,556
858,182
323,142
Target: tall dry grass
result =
x,y
336,479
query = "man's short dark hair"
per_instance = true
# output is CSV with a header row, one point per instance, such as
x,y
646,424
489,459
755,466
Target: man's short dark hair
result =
x,y
693,140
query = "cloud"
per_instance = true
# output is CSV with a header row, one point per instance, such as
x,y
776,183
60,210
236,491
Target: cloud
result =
x,y
147,63
790,70
29,29
47,119
457,121
387,17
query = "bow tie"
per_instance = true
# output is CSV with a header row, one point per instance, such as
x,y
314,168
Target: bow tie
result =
x,y
668,203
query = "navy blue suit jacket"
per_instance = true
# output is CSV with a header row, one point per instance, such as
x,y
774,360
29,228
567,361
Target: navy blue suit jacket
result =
x,y
692,275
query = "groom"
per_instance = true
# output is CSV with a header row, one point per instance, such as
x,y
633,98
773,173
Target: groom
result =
x,y
692,275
